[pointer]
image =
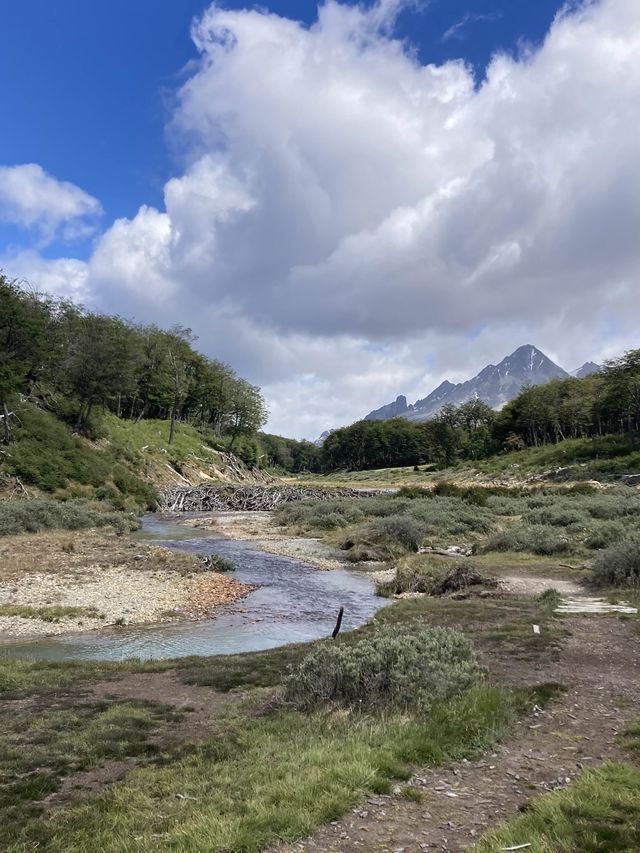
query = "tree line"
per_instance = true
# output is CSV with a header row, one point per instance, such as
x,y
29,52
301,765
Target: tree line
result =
x,y
75,362
602,404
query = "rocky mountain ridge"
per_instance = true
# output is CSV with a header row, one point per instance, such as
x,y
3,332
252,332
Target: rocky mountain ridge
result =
x,y
495,384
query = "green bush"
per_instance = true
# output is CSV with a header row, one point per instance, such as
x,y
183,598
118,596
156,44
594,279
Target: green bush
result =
x,y
447,517
395,533
408,666
413,492
45,454
417,573
31,516
323,515
613,504
471,494
558,515
604,533
619,564
532,538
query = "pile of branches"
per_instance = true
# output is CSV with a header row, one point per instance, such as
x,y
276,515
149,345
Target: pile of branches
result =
x,y
253,498
460,578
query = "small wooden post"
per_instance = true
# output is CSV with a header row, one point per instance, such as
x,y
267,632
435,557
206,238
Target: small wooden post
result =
x,y
336,630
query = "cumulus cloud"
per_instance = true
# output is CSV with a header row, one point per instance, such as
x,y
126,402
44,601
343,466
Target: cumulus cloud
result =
x,y
64,277
33,199
351,224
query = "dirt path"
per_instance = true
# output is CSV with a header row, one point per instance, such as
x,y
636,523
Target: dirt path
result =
x,y
600,666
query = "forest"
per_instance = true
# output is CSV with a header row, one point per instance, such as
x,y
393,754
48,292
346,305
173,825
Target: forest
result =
x,y
600,405
77,363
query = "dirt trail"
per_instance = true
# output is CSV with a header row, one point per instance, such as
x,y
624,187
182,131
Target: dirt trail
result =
x,y
600,666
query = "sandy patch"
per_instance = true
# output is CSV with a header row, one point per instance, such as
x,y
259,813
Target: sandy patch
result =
x,y
112,579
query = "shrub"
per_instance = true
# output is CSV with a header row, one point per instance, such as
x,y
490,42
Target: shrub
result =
x,y
31,516
218,563
395,533
558,515
325,515
472,494
380,507
550,598
413,492
534,538
418,573
395,666
604,533
451,517
619,564
611,505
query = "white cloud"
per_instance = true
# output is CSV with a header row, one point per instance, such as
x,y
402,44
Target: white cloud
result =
x,y
352,224
456,30
64,277
33,199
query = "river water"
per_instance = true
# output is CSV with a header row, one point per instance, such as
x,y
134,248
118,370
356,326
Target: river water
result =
x,y
294,602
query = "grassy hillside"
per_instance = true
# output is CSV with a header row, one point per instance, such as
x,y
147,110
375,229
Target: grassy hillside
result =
x,y
124,466
605,459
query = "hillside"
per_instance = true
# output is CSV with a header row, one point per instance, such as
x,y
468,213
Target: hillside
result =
x,y
124,465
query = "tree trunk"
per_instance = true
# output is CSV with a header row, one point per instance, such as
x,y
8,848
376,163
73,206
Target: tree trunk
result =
x,y
80,416
174,415
5,420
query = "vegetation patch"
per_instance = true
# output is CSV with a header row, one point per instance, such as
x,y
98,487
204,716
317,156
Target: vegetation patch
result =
x,y
36,514
47,614
269,779
398,667
38,750
599,812
539,539
619,564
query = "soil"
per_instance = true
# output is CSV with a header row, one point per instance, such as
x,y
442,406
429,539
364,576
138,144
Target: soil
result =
x,y
197,708
600,667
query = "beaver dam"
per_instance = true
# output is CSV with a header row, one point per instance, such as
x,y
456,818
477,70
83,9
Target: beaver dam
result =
x,y
250,498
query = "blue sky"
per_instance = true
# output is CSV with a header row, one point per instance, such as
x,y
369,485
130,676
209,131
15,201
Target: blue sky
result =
x,y
345,212
86,87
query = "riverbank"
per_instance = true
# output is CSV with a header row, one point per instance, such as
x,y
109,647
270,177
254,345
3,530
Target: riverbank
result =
x,y
259,528
59,582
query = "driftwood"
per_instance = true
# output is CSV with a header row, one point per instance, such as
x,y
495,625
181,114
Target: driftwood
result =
x,y
336,630
248,498
460,578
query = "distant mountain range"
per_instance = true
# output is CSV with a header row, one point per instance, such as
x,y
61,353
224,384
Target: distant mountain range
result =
x,y
495,385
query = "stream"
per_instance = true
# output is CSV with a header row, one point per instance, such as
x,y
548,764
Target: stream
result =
x,y
294,602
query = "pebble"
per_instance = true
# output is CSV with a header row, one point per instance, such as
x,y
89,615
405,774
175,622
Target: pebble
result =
x,y
116,594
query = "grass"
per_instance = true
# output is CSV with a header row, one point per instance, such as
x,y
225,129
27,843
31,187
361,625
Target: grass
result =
x,y
599,812
144,446
271,778
38,750
47,614
630,737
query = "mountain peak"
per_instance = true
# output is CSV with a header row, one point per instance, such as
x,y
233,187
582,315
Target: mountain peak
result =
x,y
496,384
587,369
